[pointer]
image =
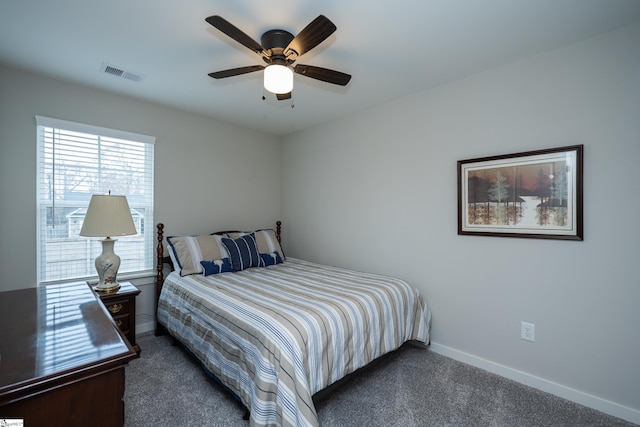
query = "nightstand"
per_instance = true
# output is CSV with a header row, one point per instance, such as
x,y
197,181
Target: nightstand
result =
x,y
121,304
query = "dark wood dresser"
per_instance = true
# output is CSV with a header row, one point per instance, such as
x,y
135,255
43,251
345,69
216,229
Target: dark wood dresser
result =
x,y
62,358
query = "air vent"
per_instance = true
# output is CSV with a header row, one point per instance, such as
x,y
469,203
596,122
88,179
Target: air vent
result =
x,y
120,72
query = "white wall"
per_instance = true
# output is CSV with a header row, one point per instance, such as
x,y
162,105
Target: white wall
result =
x,y
376,191
208,175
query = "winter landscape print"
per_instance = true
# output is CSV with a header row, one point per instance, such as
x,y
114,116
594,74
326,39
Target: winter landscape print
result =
x,y
534,194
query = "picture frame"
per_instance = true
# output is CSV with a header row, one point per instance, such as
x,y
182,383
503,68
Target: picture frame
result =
x,y
534,194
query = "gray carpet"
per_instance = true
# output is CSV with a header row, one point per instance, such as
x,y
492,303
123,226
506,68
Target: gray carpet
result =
x,y
411,387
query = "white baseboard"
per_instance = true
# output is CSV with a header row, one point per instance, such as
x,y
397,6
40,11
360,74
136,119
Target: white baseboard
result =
x,y
585,399
145,327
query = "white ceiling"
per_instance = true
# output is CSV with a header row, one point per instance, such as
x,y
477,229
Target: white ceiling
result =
x,y
391,50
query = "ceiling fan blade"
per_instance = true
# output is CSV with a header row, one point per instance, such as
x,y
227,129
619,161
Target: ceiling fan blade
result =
x,y
234,32
283,96
324,74
235,71
310,36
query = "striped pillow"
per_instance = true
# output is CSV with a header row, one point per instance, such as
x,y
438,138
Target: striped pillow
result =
x,y
190,250
265,239
268,242
243,252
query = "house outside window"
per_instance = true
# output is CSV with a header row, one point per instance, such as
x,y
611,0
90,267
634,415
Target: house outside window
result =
x,y
76,161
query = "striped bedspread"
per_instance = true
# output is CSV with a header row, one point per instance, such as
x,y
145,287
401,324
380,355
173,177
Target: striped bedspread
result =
x,y
277,335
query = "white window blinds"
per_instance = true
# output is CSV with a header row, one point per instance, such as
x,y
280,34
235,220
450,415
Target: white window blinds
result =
x,y
74,162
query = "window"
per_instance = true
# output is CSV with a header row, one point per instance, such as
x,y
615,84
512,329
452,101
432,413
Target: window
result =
x,y
76,161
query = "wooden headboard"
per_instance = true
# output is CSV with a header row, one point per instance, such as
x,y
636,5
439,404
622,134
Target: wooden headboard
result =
x,y
161,259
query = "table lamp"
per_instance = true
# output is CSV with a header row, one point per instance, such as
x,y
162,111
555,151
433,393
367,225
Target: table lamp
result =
x,y
107,216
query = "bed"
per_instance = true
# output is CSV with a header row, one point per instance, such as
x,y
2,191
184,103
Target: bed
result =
x,y
275,330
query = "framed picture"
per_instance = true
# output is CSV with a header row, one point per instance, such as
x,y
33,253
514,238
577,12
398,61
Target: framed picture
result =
x,y
535,194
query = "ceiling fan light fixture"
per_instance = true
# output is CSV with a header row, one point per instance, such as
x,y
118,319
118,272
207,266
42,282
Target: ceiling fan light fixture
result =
x,y
278,79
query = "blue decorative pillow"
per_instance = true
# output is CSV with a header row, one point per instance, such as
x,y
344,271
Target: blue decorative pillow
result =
x,y
243,252
272,258
216,266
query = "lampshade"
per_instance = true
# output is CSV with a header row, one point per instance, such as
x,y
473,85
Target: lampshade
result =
x,y
108,216
278,79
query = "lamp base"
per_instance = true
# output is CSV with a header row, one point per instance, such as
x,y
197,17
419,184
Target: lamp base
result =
x,y
107,265
107,287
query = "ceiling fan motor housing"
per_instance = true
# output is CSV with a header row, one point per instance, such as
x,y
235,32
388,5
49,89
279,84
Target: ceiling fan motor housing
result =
x,y
275,41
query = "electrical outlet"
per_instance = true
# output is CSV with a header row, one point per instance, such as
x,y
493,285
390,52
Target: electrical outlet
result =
x,y
528,331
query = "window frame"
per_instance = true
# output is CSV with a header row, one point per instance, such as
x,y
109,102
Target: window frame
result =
x,y
147,202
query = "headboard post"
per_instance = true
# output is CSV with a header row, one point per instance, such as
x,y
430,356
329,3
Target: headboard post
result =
x,y
278,229
159,273
159,253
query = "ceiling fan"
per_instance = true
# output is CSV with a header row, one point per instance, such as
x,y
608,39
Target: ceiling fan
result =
x,y
280,49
